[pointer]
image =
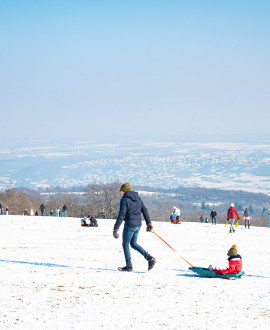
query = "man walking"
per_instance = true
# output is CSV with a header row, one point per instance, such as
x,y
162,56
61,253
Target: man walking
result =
x,y
131,207
213,216
231,217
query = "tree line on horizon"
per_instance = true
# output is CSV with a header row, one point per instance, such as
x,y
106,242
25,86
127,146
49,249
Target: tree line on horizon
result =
x,y
193,202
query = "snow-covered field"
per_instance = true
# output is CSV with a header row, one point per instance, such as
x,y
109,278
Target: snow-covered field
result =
x,y
57,275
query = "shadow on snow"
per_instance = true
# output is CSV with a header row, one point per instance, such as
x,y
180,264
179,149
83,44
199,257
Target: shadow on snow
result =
x,y
63,266
186,272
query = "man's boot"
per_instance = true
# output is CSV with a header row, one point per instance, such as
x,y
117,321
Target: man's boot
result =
x,y
126,269
151,262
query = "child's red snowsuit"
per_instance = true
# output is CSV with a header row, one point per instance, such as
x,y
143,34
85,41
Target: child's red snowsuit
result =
x,y
235,266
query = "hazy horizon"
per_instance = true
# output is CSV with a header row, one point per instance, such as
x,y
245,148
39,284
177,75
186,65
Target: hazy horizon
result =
x,y
103,71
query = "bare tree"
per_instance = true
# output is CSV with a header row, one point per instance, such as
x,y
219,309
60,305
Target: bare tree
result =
x,y
76,208
16,202
105,196
159,209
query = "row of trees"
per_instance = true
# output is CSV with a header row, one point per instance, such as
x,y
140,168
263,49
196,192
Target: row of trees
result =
x,y
107,196
97,197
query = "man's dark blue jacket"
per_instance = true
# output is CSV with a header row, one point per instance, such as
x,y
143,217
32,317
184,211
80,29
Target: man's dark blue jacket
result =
x,y
131,207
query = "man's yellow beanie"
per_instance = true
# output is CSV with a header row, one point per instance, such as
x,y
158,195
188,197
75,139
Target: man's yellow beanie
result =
x,y
125,187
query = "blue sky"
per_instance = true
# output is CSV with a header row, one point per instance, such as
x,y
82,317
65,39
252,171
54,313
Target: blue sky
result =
x,y
127,70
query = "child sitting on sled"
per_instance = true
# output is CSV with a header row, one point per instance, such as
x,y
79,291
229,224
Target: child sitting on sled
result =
x,y
235,262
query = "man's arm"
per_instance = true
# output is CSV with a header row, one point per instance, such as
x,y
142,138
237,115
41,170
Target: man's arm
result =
x,y
121,215
145,213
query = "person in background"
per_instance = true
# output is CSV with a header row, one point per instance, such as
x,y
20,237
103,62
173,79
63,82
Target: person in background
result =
x,y
57,212
51,213
65,210
201,219
103,214
93,221
172,217
232,212
247,218
177,213
7,210
36,213
32,212
213,216
84,223
42,209
131,207
25,212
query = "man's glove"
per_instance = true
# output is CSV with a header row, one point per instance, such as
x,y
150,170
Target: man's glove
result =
x,y
227,219
149,227
115,234
237,219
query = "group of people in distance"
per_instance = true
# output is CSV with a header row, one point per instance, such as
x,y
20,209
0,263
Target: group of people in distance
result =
x,y
58,211
232,215
42,210
213,216
2,210
89,221
25,212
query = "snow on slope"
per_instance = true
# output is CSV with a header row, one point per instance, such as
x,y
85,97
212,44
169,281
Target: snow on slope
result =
x,y
84,290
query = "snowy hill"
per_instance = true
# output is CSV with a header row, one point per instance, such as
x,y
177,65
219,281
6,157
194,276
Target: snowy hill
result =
x,y
56,274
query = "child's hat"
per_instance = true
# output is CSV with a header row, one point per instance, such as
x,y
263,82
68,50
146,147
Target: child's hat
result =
x,y
233,251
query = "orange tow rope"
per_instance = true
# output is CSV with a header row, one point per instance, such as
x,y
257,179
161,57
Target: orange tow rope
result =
x,y
171,247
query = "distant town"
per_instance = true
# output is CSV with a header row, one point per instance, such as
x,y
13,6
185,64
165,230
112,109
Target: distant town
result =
x,y
230,166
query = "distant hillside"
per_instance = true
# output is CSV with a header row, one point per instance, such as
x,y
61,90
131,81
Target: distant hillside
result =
x,y
197,194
